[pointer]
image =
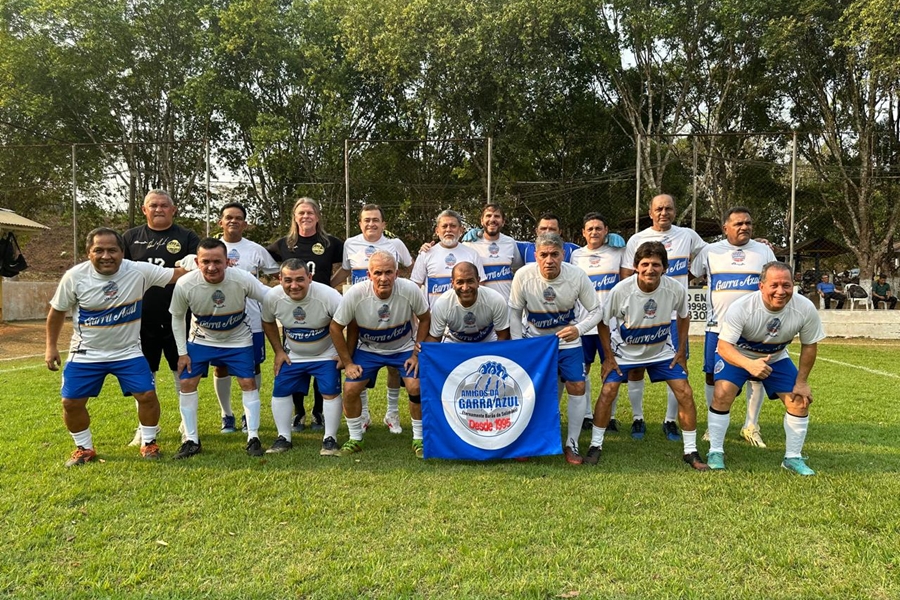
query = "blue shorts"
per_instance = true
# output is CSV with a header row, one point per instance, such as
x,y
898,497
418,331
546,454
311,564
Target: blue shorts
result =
x,y
590,344
238,360
709,351
295,378
85,380
571,364
371,363
780,381
259,348
658,371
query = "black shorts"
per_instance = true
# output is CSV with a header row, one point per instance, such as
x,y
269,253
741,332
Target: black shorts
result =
x,y
156,340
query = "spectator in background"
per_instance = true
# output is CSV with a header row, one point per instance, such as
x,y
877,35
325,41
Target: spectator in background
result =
x,y
881,292
828,292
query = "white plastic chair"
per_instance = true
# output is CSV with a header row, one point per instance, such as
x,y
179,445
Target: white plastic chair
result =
x,y
867,301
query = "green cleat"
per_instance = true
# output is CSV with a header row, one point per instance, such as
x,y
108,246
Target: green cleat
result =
x,y
351,446
418,448
716,461
798,466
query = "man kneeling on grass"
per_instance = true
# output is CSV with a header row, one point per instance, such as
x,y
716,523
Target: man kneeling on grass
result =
x,y
635,334
106,293
752,345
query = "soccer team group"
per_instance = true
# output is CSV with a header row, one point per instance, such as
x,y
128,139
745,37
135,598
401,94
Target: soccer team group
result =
x,y
159,291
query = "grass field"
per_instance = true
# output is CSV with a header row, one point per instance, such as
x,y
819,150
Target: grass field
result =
x,y
386,525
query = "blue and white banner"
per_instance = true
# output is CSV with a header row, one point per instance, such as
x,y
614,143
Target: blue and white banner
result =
x,y
490,400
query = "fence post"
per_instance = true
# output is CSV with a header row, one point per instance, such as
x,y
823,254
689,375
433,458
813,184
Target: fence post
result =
x,y
490,150
208,194
346,189
694,184
637,187
74,211
793,200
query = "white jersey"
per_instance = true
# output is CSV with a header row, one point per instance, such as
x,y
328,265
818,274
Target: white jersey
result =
x,y
385,326
306,323
357,252
640,323
682,245
550,305
477,323
756,331
249,256
106,322
500,260
433,268
602,268
733,272
218,316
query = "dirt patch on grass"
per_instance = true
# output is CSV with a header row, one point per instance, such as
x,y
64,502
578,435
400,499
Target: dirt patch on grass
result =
x,y
26,338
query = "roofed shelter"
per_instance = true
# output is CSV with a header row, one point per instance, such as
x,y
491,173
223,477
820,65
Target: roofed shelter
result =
x,y
10,221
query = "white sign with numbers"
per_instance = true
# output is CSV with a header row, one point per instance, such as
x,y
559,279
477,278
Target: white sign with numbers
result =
x,y
697,304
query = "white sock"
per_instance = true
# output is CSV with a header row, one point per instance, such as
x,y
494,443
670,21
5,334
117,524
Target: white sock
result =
x,y
148,433
710,392
690,441
718,427
597,434
364,399
636,398
794,435
393,401
612,410
282,411
355,426
177,380
222,386
83,438
756,395
417,429
332,410
588,413
187,404
252,405
575,412
671,406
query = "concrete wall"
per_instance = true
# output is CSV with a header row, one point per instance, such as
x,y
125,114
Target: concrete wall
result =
x,y
875,324
25,300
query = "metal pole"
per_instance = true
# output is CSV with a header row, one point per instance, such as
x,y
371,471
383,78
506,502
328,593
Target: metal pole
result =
x,y
793,199
208,193
637,188
74,211
490,150
694,211
346,188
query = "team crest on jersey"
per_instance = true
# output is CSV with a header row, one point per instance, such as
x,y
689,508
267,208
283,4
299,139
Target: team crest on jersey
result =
x,y
218,298
594,261
549,295
174,247
668,244
773,327
493,249
111,290
318,249
450,261
369,251
384,313
469,319
299,314
738,257
650,309
234,257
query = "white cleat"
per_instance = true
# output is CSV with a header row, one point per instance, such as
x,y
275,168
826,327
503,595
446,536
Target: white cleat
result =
x,y
751,434
367,421
392,420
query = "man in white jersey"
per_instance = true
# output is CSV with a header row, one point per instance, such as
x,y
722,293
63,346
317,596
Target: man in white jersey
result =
x,y
547,292
305,309
682,245
601,264
635,334
432,269
106,293
357,251
469,312
732,267
753,342
499,255
220,335
382,309
249,256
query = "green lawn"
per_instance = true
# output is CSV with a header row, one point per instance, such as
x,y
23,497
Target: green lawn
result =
x,y
384,524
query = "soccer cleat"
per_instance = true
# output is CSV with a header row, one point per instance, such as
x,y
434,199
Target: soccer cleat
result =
x,y
188,449
279,445
329,447
318,423
367,421
706,435
587,424
392,420
81,456
670,428
254,447
299,423
418,448
593,455
228,424
716,461
751,434
351,446
638,429
572,456
695,461
797,465
613,425
150,450
243,423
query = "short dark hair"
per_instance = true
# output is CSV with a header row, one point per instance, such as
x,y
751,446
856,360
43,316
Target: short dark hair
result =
x,y
89,242
778,266
368,207
594,216
548,216
648,249
494,207
236,205
211,243
294,264
734,210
